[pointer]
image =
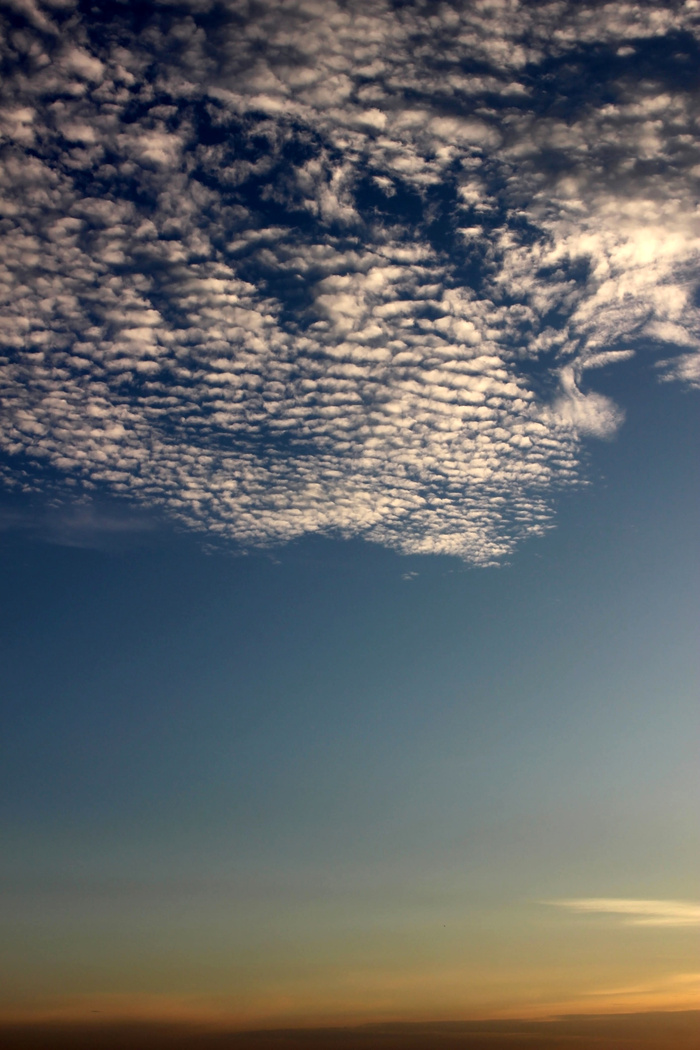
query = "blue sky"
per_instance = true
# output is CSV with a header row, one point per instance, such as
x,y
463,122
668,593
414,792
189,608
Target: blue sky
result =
x,y
348,531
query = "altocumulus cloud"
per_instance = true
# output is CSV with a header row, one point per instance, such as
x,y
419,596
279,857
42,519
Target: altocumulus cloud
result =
x,y
305,266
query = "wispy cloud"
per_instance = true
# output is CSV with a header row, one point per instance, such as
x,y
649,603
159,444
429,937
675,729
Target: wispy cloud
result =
x,y
85,524
296,268
637,912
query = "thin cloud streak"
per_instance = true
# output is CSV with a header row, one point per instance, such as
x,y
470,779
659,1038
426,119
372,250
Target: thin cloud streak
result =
x,y
637,912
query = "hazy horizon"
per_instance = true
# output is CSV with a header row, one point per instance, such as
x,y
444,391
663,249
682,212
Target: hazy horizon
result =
x,y
648,1031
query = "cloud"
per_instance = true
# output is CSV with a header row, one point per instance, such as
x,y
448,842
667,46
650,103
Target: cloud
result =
x,y
637,912
311,268
85,524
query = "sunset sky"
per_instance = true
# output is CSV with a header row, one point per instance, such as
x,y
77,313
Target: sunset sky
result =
x,y
349,359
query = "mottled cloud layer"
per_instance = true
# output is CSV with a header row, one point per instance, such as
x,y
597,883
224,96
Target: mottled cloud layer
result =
x,y
292,267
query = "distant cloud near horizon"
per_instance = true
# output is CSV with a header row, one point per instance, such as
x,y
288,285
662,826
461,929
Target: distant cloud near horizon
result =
x,y
316,267
637,912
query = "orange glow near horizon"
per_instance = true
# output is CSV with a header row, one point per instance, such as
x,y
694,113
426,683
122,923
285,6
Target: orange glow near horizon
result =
x,y
386,1004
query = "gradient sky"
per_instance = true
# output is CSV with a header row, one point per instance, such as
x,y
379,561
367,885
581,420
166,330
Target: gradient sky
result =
x,y
348,526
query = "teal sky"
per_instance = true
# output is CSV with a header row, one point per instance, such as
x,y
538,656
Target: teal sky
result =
x,y
268,786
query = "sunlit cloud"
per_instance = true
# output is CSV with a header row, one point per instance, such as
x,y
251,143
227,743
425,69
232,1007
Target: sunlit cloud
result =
x,y
308,268
637,912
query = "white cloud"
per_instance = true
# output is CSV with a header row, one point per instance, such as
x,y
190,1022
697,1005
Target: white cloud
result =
x,y
217,323
637,912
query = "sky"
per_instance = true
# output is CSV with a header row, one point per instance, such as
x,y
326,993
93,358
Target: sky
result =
x,y
349,362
